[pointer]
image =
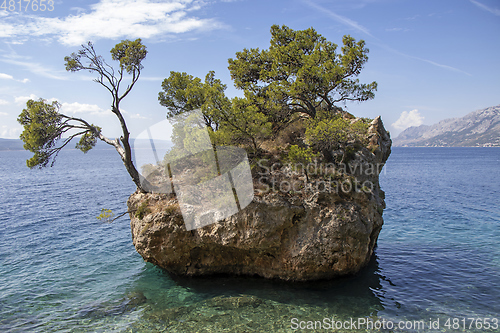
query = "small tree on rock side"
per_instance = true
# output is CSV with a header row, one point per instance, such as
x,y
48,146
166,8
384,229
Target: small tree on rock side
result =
x,y
44,126
230,121
326,134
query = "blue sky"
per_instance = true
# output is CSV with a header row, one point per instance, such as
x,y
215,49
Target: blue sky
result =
x,y
432,59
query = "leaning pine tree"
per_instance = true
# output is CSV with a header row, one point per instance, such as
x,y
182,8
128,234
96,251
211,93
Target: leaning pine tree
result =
x,y
44,126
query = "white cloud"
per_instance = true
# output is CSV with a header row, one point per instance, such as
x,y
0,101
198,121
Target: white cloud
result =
x,y
113,19
78,9
408,119
35,68
494,11
4,114
10,77
6,76
82,108
152,78
10,132
3,102
138,116
24,99
74,108
21,100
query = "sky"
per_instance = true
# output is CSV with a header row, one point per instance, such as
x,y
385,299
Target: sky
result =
x,y
432,60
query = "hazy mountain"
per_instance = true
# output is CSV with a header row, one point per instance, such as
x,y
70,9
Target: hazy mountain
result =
x,y
11,144
480,128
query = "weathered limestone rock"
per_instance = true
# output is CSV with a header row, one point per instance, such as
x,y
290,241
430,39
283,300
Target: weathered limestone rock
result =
x,y
315,234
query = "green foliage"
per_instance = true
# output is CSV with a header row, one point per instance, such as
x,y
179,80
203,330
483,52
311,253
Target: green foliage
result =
x,y
194,138
188,137
301,72
143,210
106,215
130,54
43,141
183,92
41,122
43,127
300,155
326,134
88,140
231,121
242,123
359,129
298,79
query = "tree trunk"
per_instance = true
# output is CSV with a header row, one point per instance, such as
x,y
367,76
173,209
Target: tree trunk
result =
x,y
125,151
136,177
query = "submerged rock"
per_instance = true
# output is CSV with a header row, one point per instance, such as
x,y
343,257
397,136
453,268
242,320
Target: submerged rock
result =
x,y
322,229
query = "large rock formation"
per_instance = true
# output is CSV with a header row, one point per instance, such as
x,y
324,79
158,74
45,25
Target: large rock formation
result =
x,y
325,229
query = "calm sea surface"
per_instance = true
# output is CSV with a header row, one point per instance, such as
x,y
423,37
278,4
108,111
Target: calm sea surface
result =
x,y
438,255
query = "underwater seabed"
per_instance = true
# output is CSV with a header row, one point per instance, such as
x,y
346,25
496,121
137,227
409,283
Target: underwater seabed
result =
x,y
159,302
248,304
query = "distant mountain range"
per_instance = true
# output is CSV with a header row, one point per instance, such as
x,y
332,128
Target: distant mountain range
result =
x,y
480,128
11,144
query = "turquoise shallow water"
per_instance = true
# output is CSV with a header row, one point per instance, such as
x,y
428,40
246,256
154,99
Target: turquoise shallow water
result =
x,y
438,255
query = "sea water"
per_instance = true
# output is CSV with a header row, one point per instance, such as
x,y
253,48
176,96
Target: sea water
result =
x,y
437,261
